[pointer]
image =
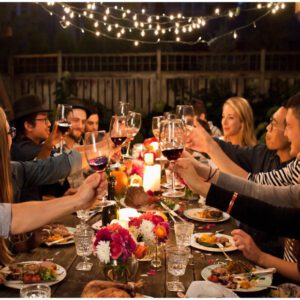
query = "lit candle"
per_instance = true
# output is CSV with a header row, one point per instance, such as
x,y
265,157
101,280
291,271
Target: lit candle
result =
x,y
149,158
152,176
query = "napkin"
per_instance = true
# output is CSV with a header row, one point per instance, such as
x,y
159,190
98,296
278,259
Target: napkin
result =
x,y
206,289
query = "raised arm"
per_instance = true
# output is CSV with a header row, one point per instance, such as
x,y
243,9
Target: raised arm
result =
x,y
22,219
200,140
285,176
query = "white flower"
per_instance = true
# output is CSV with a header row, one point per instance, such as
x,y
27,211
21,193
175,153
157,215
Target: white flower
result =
x,y
146,230
103,251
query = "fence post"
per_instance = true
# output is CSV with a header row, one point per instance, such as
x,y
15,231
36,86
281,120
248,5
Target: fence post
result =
x,y
262,70
59,65
158,75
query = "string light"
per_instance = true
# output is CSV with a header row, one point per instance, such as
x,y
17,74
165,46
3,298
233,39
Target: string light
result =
x,y
148,26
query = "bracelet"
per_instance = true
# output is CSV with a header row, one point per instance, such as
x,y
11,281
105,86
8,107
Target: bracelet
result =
x,y
211,175
231,203
210,169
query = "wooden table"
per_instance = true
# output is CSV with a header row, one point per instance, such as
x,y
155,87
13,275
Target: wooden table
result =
x,y
154,286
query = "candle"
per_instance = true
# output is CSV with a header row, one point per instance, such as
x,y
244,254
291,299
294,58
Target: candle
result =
x,y
149,158
127,213
152,176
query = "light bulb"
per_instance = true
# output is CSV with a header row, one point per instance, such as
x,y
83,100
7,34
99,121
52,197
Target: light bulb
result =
x,y
96,24
217,11
97,33
136,43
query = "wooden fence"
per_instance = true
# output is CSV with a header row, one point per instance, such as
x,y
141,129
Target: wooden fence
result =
x,y
142,79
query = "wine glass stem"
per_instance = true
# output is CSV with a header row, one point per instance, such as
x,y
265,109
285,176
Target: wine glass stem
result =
x,y
175,278
128,148
85,260
173,181
61,146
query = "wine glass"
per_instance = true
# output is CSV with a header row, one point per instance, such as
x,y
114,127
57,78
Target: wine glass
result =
x,y
83,237
172,139
63,115
122,108
97,152
186,113
177,260
134,123
156,125
118,130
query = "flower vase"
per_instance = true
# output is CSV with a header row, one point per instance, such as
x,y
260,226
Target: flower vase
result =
x,y
120,271
156,261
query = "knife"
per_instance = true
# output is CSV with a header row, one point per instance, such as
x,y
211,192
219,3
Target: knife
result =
x,y
257,272
172,212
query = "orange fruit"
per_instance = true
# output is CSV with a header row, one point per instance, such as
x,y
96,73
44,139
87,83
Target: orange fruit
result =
x,y
121,182
140,251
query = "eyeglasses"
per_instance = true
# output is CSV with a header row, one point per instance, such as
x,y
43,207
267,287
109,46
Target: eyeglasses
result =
x,y
12,131
46,120
274,125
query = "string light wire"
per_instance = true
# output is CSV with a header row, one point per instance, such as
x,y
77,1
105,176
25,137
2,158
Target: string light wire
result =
x,y
179,24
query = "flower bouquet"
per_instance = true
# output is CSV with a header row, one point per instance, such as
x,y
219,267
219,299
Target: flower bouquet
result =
x,y
115,247
149,230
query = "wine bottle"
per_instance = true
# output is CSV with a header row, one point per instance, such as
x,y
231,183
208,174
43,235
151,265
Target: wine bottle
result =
x,y
110,212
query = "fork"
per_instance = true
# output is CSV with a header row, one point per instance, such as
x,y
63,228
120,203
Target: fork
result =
x,y
221,247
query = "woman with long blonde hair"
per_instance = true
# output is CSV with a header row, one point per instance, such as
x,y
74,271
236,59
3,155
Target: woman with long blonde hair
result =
x,y
23,217
238,122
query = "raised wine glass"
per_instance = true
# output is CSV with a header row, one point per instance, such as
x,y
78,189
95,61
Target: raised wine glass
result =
x,y
97,152
172,139
118,130
63,115
122,108
134,123
156,125
186,114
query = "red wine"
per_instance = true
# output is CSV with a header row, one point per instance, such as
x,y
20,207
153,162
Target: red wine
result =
x,y
172,154
118,140
98,164
63,127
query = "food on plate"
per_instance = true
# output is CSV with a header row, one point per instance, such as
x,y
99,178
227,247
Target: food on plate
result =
x,y
211,240
137,198
33,272
57,232
225,275
209,213
109,289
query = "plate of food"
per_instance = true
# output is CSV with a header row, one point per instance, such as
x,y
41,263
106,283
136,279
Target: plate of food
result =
x,y
206,214
209,241
237,276
32,272
58,234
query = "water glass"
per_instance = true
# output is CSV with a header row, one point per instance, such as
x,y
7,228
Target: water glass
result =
x,y
35,291
177,260
83,237
183,233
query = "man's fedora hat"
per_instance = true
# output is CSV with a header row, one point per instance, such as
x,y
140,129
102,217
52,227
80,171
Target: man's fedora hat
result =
x,y
79,103
27,105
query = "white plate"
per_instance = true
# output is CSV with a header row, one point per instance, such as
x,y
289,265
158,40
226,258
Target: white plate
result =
x,y
68,242
122,202
18,284
263,282
213,249
97,225
192,214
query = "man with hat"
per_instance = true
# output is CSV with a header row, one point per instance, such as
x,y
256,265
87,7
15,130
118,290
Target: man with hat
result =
x,y
81,112
34,139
